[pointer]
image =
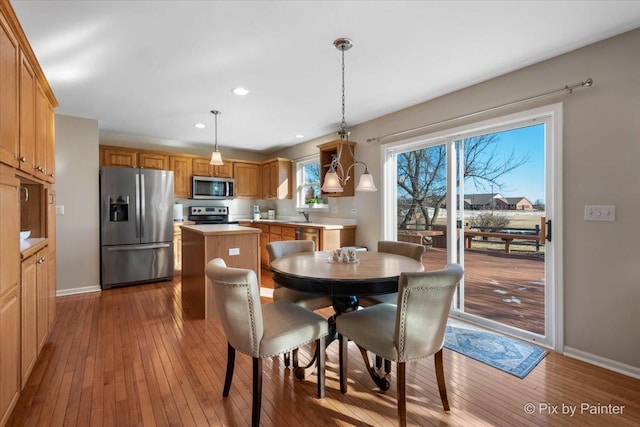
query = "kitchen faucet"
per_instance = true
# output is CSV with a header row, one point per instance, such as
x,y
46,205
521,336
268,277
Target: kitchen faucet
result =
x,y
306,215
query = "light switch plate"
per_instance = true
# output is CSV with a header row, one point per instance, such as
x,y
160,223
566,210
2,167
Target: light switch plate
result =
x,y
59,209
599,213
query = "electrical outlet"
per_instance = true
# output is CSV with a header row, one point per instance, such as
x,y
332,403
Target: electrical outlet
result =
x,y
599,213
234,251
354,211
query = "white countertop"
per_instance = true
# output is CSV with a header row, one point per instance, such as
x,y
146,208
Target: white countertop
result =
x,y
220,229
329,223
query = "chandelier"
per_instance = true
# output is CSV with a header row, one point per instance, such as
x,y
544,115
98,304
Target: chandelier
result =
x,y
337,177
216,157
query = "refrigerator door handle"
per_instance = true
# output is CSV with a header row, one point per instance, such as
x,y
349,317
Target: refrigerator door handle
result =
x,y
143,207
137,205
137,247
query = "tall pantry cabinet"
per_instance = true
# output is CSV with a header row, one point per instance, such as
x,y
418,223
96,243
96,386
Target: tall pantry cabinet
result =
x,y
27,202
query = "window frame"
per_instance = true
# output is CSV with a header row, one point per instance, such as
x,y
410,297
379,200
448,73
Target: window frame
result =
x,y
301,185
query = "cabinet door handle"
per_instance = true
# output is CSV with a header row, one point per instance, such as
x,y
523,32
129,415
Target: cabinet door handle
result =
x,y
23,159
26,194
40,260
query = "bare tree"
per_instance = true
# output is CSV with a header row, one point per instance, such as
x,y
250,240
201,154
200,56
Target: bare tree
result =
x,y
422,179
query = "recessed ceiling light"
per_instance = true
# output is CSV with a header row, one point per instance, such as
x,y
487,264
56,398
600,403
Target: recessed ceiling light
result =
x,y
299,136
199,125
240,91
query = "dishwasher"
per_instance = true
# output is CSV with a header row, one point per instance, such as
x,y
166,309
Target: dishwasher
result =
x,y
304,233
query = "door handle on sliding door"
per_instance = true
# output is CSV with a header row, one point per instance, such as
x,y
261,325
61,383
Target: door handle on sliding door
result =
x,y
548,236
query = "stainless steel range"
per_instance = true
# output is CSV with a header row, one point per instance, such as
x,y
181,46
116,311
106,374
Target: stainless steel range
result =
x,y
210,215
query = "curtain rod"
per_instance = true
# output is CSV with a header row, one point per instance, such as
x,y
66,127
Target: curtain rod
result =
x,y
587,83
304,157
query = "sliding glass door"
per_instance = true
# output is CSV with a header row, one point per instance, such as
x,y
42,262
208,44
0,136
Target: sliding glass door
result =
x,y
485,196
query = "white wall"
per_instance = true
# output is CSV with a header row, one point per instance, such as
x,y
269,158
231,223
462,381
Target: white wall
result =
x,y
77,232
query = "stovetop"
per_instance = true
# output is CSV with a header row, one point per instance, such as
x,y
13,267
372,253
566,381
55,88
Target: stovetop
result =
x,y
210,215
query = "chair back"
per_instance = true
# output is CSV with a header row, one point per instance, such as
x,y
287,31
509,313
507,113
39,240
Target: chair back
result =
x,y
424,302
287,247
411,250
237,299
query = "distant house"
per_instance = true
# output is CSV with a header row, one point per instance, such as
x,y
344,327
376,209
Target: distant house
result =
x,y
496,201
519,204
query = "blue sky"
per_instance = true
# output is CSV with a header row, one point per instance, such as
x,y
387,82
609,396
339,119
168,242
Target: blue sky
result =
x,y
528,179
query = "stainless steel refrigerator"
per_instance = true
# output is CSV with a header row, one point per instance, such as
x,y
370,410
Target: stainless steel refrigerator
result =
x,y
136,226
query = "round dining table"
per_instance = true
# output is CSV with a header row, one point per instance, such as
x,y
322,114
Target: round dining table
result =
x,y
374,273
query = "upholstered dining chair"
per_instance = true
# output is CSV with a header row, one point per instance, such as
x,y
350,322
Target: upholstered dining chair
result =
x,y
411,250
280,293
411,329
307,300
260,330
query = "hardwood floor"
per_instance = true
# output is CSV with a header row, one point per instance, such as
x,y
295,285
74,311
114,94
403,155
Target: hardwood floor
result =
x,y
132,357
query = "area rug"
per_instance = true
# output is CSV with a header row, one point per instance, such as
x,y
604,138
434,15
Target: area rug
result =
x,y
507,354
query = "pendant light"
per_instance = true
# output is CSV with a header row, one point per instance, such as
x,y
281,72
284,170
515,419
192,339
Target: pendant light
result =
x,y
216,157
336,177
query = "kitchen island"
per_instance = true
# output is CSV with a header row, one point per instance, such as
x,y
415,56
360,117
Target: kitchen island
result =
x,y
239,247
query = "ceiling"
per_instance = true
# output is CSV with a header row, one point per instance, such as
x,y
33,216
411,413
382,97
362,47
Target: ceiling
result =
x,y
155,68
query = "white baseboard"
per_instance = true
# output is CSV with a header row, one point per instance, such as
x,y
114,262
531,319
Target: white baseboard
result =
x,y
612,365
74,291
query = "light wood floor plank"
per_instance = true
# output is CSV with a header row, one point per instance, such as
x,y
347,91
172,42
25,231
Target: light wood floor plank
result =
x,y
132,356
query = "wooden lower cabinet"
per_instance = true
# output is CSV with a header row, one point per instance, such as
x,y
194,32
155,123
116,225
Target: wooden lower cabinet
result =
x,y
35,298
328,239
10,352
29,317
42,276
177,250
9,292
238,248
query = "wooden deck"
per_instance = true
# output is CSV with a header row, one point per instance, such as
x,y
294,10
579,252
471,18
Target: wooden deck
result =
x,y
507,288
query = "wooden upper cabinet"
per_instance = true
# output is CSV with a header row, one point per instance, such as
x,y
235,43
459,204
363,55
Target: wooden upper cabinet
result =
x,y
150,160
247,176
115,156
201,167
50,123
42,119
9,92
224,171
182,173
27,117
275,179
327,152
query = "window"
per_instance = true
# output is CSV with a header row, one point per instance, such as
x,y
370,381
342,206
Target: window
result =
x,y
309,195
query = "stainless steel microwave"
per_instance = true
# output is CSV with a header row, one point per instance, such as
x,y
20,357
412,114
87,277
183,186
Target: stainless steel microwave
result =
x,y
206,187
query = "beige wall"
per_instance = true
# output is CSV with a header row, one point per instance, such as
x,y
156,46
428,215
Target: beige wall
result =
x,y
601,155
77,233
